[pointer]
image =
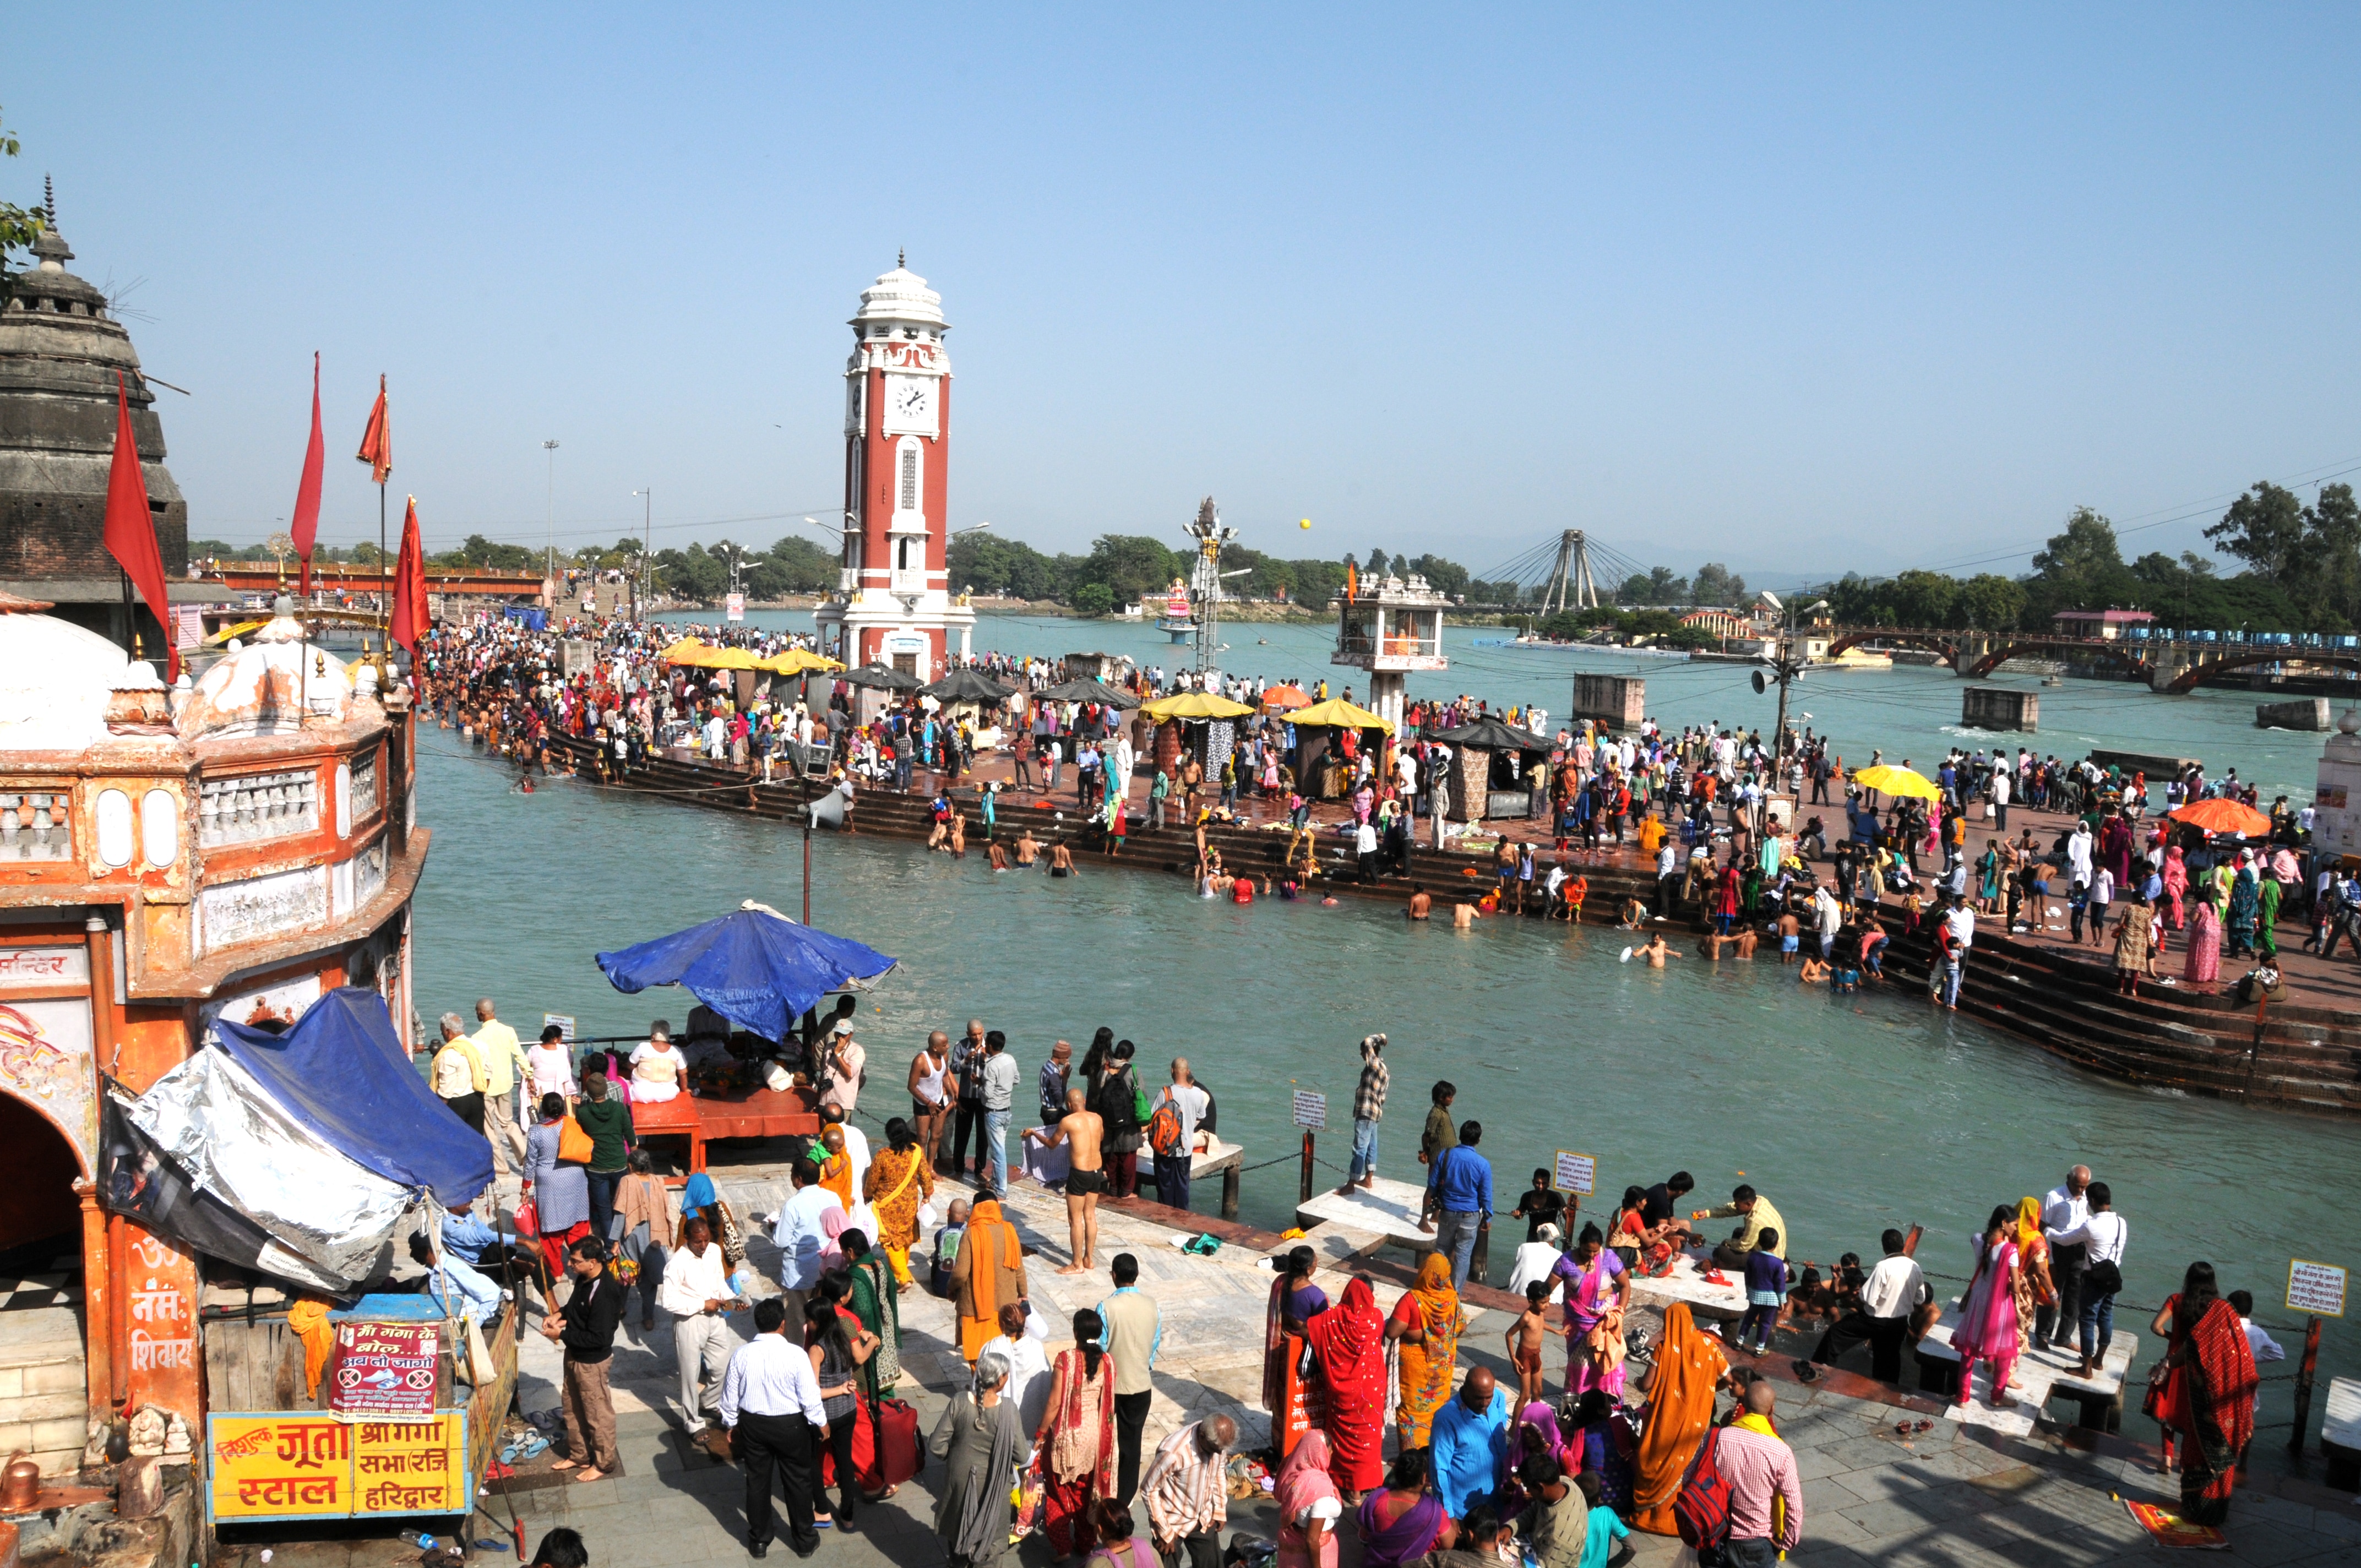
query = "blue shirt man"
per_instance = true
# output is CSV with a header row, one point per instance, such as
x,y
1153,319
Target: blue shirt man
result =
x,y
1463,1192
465,1237
1469,1444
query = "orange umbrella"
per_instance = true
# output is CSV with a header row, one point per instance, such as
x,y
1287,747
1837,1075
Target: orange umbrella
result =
x,y
2223,817
1286,696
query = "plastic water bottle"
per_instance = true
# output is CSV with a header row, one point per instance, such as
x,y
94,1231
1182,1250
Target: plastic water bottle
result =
x,y
423,1542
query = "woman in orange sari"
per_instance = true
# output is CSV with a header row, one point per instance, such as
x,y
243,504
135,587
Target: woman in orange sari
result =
x,y
1424,1333
2034,1289
1348,1342
987,1275
1689,1366
1291,1388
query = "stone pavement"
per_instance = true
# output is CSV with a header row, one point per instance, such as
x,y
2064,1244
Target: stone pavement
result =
x,y
1954,1496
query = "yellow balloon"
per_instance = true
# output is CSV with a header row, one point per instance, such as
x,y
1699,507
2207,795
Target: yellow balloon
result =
x,y
1307,523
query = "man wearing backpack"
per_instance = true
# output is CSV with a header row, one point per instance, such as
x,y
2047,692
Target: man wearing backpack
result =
x,y
1173,1134
1766,1497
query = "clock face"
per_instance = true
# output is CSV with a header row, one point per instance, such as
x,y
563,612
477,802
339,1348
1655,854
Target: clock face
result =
x,y
910,402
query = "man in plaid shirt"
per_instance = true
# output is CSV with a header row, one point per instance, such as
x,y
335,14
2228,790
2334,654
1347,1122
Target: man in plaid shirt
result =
x,y
1368,1109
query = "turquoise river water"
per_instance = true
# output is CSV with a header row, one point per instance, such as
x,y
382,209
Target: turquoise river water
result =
x,y
1852,1113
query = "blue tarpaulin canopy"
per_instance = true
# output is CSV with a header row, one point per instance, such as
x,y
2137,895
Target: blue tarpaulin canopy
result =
x,y
342,1072
755,966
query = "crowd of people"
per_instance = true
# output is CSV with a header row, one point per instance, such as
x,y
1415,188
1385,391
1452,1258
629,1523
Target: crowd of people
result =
x,y
1564,1464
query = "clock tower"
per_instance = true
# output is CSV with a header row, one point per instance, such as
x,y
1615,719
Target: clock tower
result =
x,y
893,604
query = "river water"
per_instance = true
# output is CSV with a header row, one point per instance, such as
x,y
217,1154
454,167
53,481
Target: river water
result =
x,y
1852,1113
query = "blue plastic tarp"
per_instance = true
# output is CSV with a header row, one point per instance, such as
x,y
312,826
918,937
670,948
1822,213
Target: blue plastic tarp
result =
x,y
532,617
342,1072
754,968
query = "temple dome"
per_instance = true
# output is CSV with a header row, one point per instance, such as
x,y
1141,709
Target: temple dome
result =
x,y
56,679
263,688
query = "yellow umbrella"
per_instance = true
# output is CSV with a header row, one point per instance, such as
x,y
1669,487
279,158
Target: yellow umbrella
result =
x,y
1194,704
1890,780
1339,714
796,661
681,651
721,659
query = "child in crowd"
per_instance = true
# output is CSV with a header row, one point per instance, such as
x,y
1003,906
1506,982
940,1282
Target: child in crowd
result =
x,y
945,1248
1766,1291
1525,1337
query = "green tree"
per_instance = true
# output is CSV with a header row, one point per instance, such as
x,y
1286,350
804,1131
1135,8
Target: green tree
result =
x,y
1443,577
483,554
2084,557
1094,599
802,565
1377,566
2265,528
1991,602
1131,567
1924,599
1717,584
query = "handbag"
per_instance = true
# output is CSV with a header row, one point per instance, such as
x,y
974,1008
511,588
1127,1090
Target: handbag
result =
x,y
527,1218
574,1144
2101,1278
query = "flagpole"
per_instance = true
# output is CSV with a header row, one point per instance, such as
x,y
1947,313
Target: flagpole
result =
x,y
384,593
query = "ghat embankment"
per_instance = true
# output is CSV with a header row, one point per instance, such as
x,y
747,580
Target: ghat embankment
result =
x,y
2288,1055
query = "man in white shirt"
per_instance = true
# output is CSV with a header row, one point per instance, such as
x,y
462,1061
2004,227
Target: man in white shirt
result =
x,y
1028,1366
2064,1209
695,1292
1537,1260
503,1059
2102,1236
795,1231
2258,1339
1894,1289
770,1402
840,1067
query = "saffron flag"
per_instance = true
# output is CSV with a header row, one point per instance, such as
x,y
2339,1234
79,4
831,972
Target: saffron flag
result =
x,y
131,527
410,623
306,526
377,440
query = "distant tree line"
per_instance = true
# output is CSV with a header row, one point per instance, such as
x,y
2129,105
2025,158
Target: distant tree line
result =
x,y
2304,573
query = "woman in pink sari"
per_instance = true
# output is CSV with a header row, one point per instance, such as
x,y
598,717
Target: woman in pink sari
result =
x,y
1309,1507
1597,1293
2175,883
2205,965
1987,1327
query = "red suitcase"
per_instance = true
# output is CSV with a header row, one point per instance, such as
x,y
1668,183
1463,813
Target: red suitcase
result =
x,y
901,1446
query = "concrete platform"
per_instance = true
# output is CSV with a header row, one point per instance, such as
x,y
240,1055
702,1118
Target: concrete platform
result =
x,y
1389,1210
2042,1375
1707,1302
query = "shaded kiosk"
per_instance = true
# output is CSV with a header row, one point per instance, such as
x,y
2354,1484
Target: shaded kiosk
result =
x,y
1323,756
1489,774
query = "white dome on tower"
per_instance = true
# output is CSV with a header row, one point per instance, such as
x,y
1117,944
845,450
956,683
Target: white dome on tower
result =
x,y
900,296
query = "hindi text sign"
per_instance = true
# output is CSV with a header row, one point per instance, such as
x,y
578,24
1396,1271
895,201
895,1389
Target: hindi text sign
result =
x,y
384,1371
279,1466
411,1467
1577,1173
2316,1290
1311,1111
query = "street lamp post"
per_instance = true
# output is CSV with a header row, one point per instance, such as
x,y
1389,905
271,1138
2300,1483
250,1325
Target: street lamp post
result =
x,y
647,547
551,447
1786,668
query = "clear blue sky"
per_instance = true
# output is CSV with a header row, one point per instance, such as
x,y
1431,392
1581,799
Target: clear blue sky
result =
x,y
1801,288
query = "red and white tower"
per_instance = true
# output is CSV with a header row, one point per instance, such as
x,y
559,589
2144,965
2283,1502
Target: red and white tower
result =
x,y
895,604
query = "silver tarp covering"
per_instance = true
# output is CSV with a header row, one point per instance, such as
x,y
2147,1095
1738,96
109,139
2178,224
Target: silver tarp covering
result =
x,y
212,1118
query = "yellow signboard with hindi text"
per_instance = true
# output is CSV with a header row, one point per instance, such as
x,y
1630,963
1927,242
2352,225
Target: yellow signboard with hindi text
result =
x,y
299,1465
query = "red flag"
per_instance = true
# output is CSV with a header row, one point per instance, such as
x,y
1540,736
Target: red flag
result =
x,y
131,528
307,489
377,440
410,621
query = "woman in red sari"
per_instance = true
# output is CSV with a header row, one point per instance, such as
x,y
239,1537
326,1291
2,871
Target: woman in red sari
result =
x,y
1077,1439
2206,1393
1348,1342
